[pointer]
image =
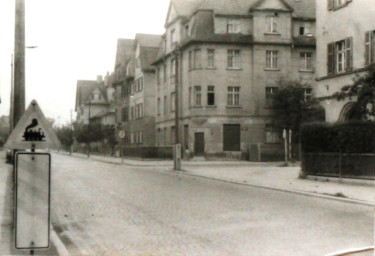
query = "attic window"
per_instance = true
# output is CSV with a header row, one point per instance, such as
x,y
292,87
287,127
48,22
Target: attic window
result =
x,y
233,26
187,31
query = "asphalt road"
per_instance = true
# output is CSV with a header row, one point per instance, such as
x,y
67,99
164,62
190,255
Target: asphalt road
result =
x,y
107,209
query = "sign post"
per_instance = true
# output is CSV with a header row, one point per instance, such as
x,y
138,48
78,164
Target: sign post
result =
x,y
32,178
121,135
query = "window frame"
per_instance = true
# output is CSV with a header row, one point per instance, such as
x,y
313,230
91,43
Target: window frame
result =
x,y
306,61
272,59
210,58
272,134
270,93
233,26
197,96
233,59
233,96
211,92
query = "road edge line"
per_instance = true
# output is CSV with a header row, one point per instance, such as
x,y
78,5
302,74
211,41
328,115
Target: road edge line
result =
x,y
305,193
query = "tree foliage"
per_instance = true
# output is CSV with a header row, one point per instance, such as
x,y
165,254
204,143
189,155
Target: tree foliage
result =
x,y
364,88
64,134
88,133
292,108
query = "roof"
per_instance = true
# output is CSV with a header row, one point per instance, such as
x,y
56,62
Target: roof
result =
x,y
185,7
148,40
148,56
302,8
85,88
125,48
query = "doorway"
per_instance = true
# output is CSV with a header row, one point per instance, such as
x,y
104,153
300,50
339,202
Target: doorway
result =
x,y
199,144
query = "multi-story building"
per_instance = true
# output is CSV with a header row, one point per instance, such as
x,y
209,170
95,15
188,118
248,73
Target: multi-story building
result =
x,y
346,46
91,99
230,56
136,106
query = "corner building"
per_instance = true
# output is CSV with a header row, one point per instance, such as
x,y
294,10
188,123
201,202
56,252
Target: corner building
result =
x,y
230,56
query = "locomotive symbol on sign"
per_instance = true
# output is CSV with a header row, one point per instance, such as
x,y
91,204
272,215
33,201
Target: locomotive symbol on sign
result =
x,y
33,135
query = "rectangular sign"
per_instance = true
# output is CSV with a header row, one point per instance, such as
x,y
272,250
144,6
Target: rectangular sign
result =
x,y
33,198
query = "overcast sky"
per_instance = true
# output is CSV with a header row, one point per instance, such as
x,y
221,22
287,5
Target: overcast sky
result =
x,y
76,40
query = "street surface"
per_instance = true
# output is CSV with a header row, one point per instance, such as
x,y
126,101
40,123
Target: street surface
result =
x,y
107,209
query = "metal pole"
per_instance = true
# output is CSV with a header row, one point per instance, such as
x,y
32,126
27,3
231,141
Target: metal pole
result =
x,y
11,111
177,155
285,146
19,63
89,131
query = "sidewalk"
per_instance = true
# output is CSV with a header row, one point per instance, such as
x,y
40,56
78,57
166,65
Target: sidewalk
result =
x,y
267,175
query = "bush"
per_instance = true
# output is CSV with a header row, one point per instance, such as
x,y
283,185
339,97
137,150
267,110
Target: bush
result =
x,y
352,137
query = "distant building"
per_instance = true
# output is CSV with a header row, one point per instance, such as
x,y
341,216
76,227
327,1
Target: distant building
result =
x,y
91,99
346,46
230,56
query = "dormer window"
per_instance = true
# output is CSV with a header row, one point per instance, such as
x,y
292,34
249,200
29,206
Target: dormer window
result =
x,y
304,31
272,24
233,26
187,31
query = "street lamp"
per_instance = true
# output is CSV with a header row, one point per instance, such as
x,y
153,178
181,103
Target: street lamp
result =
x,y
177,148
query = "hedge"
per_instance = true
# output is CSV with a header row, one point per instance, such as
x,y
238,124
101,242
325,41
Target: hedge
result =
x,y
351,137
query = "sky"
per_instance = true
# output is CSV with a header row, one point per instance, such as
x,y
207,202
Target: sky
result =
x,y
76,40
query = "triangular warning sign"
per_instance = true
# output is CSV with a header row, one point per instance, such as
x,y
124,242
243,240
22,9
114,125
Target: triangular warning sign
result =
x,y
33,131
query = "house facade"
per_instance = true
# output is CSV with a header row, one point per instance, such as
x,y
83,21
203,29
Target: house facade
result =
x,y
346,46
91,99
135,111
230,58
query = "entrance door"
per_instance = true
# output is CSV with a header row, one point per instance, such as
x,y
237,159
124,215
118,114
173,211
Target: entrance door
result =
x,y
199,144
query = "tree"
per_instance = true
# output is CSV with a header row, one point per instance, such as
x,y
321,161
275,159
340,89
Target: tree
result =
x,y
364,88
65,135
88,133
109,137
292,108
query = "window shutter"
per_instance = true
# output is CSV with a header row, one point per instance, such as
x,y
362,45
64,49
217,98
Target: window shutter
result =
x,y
330,4
349,53
330,58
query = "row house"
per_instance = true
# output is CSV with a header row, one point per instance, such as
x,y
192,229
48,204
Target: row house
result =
x,y
346,44
135,90
225,59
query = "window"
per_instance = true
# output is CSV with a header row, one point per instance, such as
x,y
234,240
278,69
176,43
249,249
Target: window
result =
x,y
233,96
191,63
211,95
369,47
232,137
172,138
270,92
271,59
197,95
173,101
158,75
197,58
339,56
190,103
306,61
187,31
272,134
335,4
210,58
138,85
165,105
165,72
272,24
125,114
173,67
132,113
233,26
159,106
234,59
173,37
165,136
132,137
303,31
307,94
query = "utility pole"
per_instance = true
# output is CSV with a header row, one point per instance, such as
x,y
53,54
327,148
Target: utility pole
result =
x,y
18,101
71,131
177,149
11,112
